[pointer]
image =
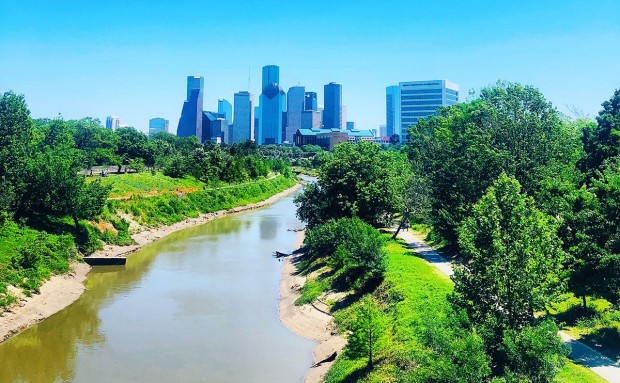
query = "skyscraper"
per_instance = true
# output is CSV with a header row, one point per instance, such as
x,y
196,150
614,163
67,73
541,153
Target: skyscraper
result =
x,y
310,119
311,101
332,114
157,125
243,127
113,122
414,100
392,110
272,105
190,123
225,108
295,106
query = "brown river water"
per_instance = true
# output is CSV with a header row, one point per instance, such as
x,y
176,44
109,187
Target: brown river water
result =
x,y
200,305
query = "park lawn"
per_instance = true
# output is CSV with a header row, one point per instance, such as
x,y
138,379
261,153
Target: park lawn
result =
x,y
414,290
125,185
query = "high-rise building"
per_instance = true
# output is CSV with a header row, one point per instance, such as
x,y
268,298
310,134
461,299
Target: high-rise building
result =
x,y
310,119
410,101
383,130
295,106
392,110
257,117
158,125
190,123
350,125
225,108
332,114
243,127
272,105
113,122
311,101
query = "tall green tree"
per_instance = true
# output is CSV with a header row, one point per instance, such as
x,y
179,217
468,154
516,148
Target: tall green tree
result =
x,y
602,141
513,262
358,180
510,128
16,134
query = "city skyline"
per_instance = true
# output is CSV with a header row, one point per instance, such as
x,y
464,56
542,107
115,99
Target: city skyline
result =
x,y
568,51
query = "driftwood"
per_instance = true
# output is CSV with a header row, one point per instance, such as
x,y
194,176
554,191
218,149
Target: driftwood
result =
x,y
279,254
330,358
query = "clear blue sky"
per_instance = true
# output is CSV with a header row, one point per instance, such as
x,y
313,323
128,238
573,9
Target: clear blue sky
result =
x,y
131,57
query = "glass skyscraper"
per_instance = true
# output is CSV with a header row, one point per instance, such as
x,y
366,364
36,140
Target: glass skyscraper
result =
x,y
225,108
190,123
272,106
410,101
311,102
295,106
332,113
157,125
243,127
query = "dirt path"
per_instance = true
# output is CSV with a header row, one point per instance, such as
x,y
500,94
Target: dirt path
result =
x,y
306,320
580,353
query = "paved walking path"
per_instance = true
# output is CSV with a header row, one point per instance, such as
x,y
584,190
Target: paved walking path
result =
x,y
590,358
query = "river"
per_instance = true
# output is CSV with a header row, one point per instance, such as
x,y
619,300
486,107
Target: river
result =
x,y
200,305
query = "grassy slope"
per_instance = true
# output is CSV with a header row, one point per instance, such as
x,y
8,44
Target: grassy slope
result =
x,y
423,289
125,185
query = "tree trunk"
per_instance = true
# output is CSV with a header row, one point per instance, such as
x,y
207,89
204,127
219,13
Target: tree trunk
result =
x,y
76,222
584,299
402,223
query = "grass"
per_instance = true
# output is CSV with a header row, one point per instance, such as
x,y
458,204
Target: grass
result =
x,y
28,257
574,373
145,183
412,294
598,325
166,209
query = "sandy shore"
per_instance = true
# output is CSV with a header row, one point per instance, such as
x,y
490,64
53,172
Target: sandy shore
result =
x,y
62,290
306,320
56,294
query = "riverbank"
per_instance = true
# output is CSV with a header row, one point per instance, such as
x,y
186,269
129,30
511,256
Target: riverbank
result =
x,y
62,290
307,320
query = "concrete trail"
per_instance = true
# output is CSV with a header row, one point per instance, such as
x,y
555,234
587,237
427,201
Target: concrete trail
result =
x,y
580,353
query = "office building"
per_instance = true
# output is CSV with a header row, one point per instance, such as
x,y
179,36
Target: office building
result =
x,y
190,123
311,101
332,113
310,119
350,125
273,106
158,125
294,108
113,122
328,138
243,125
225,108
410,101
383,131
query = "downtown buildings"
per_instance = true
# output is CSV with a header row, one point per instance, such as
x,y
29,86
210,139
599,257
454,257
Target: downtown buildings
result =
x,y
158,125
190,123
408,102
243,126
113,122
272,108
332,113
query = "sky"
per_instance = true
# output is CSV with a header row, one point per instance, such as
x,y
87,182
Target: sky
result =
x,y
131,57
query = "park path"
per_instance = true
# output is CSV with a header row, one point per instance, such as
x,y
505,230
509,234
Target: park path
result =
x,y
580,353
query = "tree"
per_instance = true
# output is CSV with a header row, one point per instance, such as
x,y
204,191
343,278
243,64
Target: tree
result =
x,y
16,135
513,262
358,180
602,141
533,354
510,128
368,328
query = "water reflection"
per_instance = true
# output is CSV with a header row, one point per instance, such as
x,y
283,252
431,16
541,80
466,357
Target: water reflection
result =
x,y
198,305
